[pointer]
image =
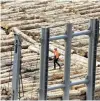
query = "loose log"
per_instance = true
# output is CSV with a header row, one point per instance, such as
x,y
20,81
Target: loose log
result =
x,y
11,47
6,37
24,22
34,49
22,55
25,37
26,59
7,42
9,53
7,79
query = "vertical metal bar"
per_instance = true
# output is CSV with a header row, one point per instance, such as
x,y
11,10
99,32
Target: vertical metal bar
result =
x,y
67,62
42,70
46,60
93,38
19,84
16,67
96,37
44,64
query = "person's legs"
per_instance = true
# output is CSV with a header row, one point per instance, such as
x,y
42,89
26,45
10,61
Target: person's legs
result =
x,y
54,63
58,63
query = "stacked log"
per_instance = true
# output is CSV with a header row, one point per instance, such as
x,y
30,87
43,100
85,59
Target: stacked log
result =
x,y
29,17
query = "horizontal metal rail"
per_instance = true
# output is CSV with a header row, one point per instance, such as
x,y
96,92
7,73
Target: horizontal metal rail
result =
x,y
79,82
58,37
85,32
57,86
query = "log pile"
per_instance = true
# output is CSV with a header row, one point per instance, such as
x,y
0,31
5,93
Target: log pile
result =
x,y
29,17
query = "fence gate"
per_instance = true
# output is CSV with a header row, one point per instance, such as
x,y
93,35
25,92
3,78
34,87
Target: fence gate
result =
x,y
93,33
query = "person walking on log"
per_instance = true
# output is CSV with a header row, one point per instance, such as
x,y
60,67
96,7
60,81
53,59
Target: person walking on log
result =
x,y
56,58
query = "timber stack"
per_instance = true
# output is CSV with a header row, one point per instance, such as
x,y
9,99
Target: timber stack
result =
x,y
29,16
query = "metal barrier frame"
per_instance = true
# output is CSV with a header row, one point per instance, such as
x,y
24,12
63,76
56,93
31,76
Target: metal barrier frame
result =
x,y
16,67
93,33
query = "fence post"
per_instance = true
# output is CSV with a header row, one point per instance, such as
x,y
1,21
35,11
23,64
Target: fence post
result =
x,y
44,64
16,67
93,39
67,62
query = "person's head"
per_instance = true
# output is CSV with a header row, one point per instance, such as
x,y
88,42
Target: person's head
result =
x,y
55,49
86,54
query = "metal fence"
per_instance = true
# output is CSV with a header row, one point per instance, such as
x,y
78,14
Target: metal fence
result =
x,y
93,33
